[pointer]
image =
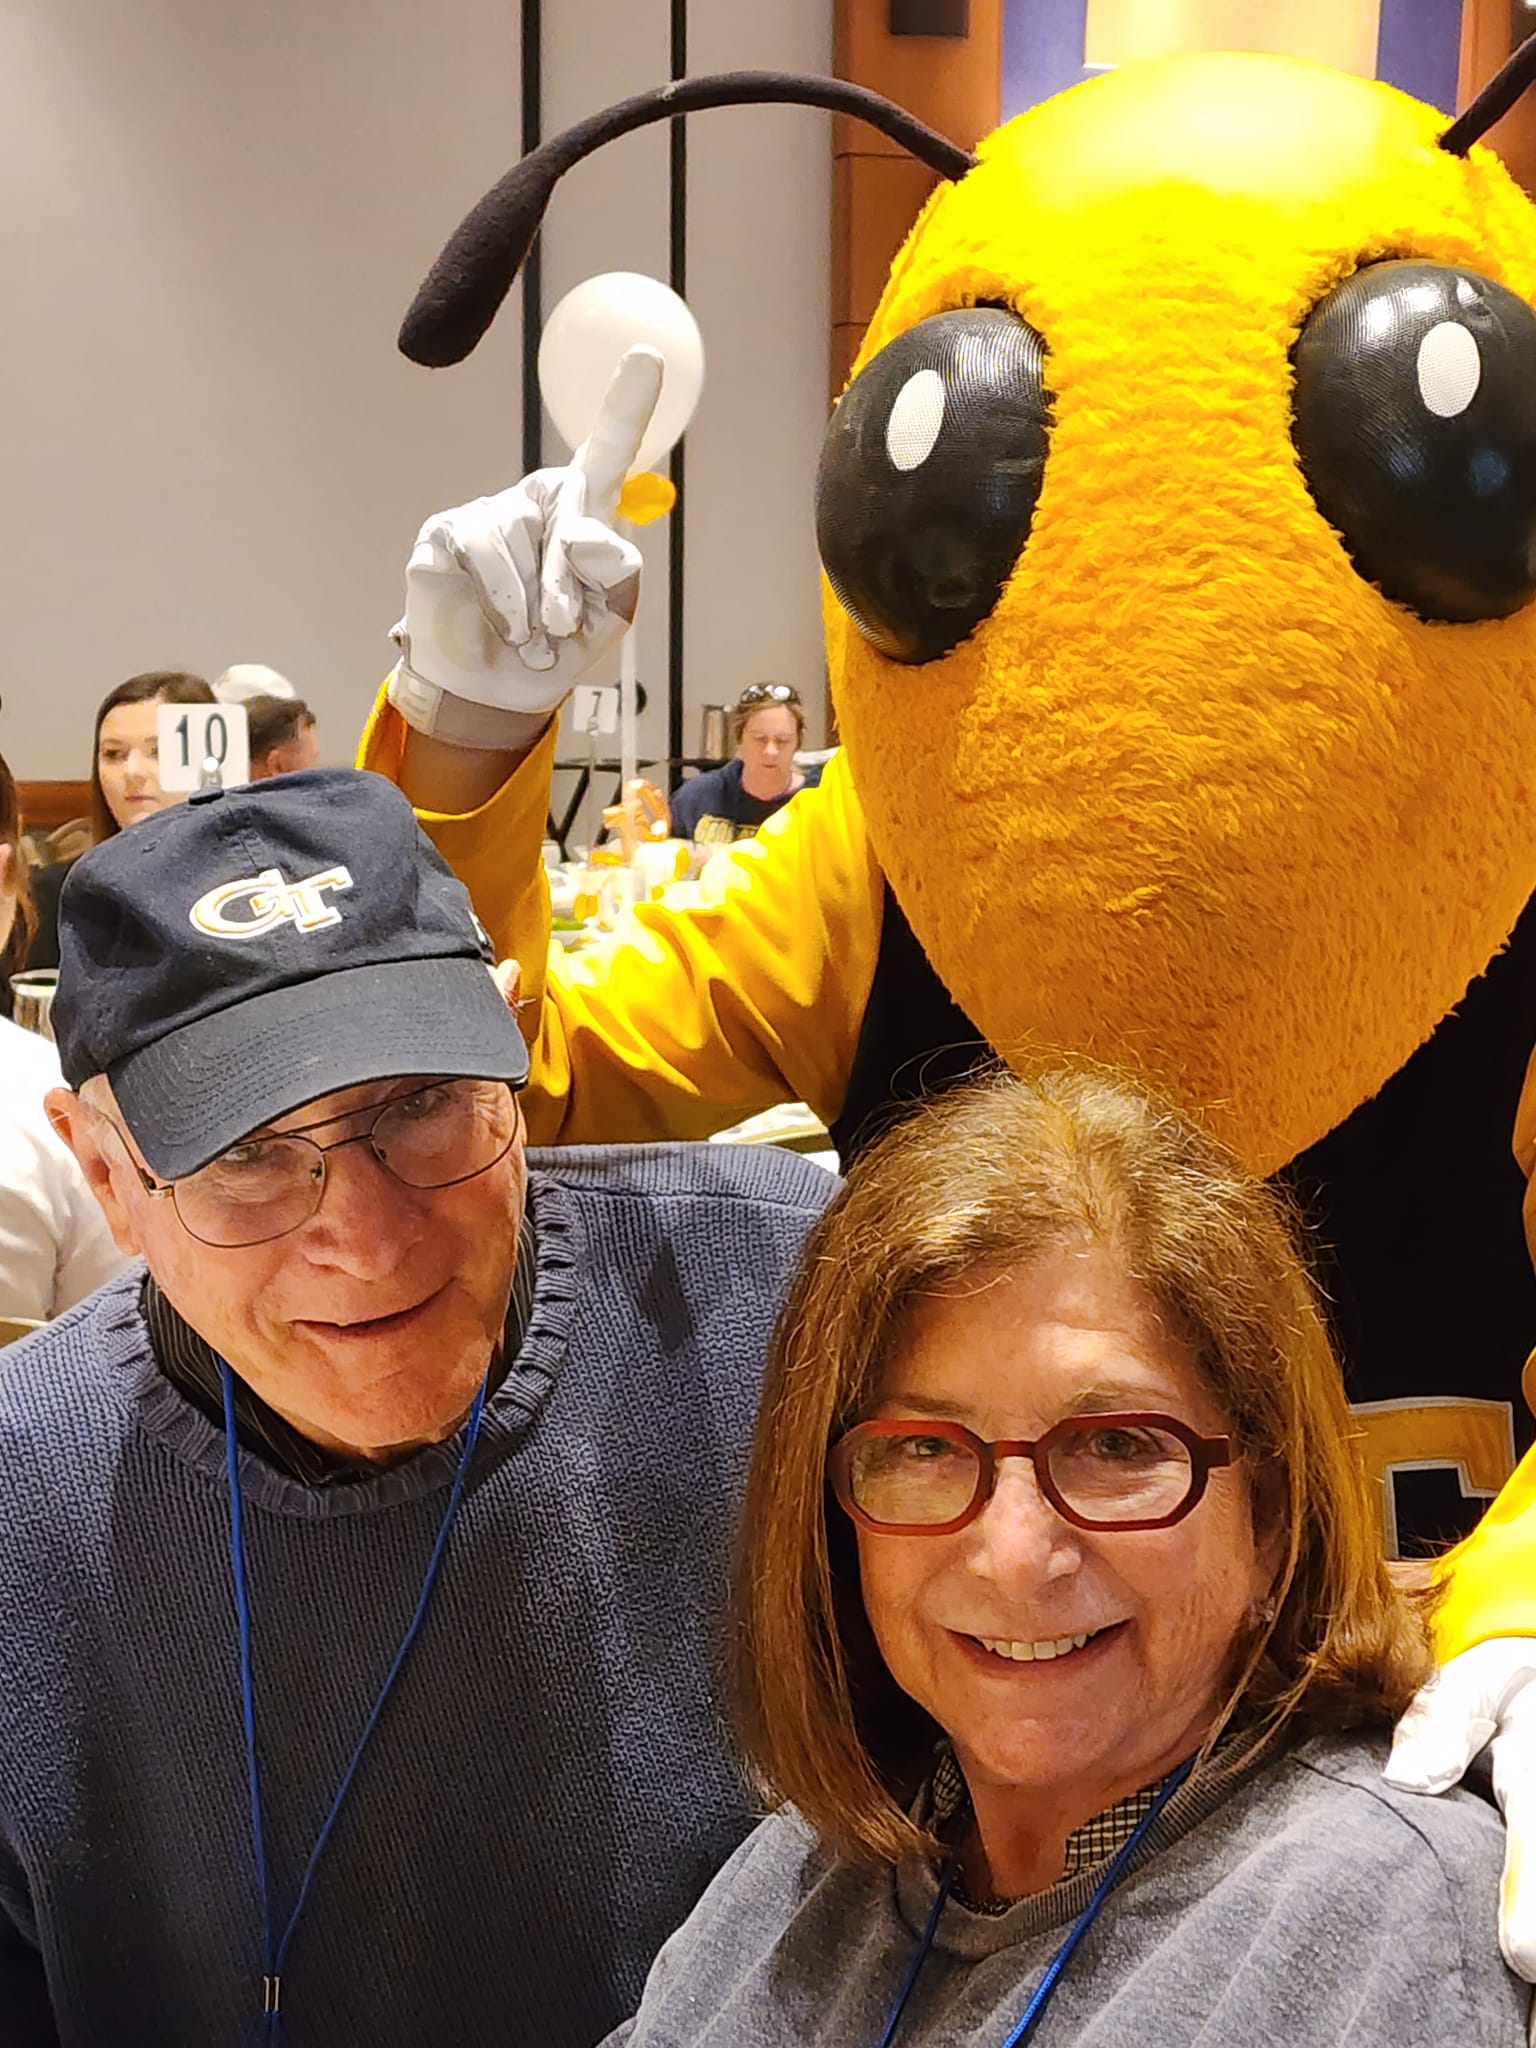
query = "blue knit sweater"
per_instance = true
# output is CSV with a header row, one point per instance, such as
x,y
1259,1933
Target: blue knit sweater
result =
x,y
549,1790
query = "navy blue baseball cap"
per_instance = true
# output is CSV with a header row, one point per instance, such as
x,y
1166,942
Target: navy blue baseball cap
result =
x,y
248,951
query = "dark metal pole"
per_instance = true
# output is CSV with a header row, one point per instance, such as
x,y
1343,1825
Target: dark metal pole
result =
x,y
678,278
533,268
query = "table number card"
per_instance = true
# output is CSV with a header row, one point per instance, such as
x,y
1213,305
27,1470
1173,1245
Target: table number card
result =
x,y
595,709
202,744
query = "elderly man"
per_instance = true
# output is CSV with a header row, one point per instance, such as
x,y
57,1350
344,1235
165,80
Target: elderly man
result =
x,y
363,1545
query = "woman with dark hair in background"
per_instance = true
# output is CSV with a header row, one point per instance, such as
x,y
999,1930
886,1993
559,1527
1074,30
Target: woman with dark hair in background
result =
x,y
125,780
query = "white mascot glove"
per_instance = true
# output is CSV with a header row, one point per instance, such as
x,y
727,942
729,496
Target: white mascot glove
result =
x,y
510,599
1486,1696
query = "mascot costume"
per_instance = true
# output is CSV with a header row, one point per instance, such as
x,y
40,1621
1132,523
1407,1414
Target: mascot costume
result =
x,y
1183,499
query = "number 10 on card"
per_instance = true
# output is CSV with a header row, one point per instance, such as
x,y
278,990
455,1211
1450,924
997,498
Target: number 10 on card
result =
x,y
202,744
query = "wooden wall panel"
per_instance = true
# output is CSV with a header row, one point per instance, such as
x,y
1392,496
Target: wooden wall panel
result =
x,y
1489,30
47,804
952,83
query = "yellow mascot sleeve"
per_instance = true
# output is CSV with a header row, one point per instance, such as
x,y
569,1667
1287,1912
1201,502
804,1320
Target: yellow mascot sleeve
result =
x,y
1491,1577
686,1020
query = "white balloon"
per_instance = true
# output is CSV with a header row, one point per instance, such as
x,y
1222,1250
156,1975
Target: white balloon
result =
x,y
587,333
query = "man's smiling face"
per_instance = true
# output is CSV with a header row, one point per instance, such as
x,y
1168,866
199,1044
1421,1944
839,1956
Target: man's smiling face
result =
x,y
371,1325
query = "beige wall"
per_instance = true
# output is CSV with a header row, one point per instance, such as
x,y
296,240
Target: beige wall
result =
x,y
213,218
1338,32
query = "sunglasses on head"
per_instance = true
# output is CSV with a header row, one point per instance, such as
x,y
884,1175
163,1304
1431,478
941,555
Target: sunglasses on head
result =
x,y
767,693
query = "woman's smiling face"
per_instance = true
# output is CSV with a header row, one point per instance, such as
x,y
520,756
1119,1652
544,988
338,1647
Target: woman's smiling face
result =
x,y
1008,1353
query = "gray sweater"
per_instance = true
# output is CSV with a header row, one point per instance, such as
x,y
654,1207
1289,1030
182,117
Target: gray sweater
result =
x,y
549,1789
1312,1908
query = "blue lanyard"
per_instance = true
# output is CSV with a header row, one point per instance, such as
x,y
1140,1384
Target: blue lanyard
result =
x,y
1034,2012
272,1959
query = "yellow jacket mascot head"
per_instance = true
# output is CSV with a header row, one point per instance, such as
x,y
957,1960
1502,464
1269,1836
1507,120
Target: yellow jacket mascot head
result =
x,y
1262,819
1183,498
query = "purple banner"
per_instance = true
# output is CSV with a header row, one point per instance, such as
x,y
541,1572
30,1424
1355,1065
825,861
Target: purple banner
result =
x,y
1418,48
1042,50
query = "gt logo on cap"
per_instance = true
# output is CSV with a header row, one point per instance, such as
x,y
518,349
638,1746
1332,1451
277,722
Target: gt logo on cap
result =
x,y
269,901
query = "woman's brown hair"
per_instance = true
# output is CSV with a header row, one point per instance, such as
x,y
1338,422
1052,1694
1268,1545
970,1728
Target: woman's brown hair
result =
x,y
157,686
14,951
994,1175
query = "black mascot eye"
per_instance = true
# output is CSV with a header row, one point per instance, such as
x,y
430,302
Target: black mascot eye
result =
x,y
929,476
1415,422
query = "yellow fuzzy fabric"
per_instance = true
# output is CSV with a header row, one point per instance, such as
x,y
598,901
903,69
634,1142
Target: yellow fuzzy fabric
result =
x,y
1196,797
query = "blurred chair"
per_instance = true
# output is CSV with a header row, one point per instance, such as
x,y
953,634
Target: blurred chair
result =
x,y
14,1328
63,842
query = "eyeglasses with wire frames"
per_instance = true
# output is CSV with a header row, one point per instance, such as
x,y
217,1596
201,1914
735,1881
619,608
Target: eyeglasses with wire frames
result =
x,y
271,1183
1111,1471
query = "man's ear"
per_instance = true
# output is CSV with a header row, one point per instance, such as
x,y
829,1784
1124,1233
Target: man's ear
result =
x,y
81,1130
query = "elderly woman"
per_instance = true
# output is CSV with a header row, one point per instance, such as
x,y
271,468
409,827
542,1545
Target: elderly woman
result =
x,y
1068,1644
